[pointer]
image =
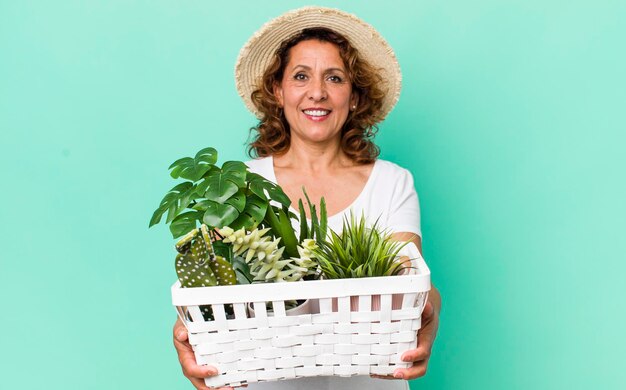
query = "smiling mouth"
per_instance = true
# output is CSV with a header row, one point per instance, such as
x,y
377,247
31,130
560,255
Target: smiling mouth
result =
x,y
316,113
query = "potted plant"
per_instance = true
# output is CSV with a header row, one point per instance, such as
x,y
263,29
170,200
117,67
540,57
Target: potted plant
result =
x,y
361,251
236,226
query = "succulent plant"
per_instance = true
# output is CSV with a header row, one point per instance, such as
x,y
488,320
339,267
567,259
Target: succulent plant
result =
x,y
258,251
305,265
359,251
253,244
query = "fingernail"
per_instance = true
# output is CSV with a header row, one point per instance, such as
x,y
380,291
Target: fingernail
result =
x,y
179,335
406,358
397,375
211,371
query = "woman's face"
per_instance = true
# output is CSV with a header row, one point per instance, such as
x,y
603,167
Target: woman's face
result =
x,y
315,92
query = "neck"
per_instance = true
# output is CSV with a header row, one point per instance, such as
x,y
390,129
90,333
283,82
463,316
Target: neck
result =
x,y
313,157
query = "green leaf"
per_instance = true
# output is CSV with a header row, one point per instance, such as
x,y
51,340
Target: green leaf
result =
x,y
224,250
315,232
194,168
264,188
360,251
201,206
242,270
219,215
288,236
254,211
192,274
238,201
315,226
304,227
272,221
184,223
323,219
237,170
176,200
219,187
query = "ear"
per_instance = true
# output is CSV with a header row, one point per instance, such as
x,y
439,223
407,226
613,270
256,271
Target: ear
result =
x,y
354,100
278,92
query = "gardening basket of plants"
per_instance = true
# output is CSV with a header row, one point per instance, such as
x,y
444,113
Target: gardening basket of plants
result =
x,y
263,302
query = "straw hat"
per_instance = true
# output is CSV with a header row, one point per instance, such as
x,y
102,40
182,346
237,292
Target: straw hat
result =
x,y
258,52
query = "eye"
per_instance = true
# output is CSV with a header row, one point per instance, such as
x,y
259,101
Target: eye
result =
x,y
335,79
299,76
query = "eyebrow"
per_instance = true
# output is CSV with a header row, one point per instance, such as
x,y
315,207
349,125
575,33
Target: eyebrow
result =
x,y
326,70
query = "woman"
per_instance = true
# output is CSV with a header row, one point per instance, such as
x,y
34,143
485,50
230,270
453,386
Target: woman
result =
x,y
325,79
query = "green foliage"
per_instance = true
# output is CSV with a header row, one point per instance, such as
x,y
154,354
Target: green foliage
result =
x,y
230,195
319,227
198,266
359,251
280,224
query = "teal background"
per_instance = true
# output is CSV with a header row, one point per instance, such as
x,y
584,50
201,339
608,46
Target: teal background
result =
x,y
511,120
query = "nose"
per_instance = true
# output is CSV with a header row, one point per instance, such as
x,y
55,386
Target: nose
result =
x,y
317,90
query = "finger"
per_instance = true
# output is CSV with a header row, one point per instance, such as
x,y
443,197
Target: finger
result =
x,y
382,376
418,370
191,369
428,311
425,339
180,332
198,384
416,355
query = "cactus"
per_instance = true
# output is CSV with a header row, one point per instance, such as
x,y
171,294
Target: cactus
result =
x,y
198,266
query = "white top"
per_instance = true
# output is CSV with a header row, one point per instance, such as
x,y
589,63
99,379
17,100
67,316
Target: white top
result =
x,y
389,194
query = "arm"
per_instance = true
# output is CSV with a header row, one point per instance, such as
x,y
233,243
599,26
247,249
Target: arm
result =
x,y
427,333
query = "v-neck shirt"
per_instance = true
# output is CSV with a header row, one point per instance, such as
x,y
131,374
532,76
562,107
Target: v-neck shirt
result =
x,y
388,196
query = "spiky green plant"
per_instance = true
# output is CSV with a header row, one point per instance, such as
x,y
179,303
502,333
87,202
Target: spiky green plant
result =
x,y
319,225
359,251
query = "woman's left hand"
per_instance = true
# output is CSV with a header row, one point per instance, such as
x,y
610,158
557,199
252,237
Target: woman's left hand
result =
x,y
420,355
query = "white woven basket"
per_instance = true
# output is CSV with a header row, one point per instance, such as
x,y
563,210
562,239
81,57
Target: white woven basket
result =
x,y
362,326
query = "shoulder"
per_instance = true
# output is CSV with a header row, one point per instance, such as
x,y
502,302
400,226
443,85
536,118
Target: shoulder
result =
x,y
389,171
262,165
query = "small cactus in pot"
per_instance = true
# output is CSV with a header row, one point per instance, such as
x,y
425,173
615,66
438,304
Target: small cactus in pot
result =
x,y
197,265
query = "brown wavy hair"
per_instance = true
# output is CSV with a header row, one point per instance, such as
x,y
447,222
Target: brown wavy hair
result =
x,y
273,134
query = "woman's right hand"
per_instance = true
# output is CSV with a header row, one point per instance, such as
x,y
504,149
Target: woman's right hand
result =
x,y
191,369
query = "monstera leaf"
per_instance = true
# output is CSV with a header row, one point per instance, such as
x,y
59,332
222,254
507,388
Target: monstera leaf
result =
x,y
236,169
252,214
194,168
265,189
184,223
227,196
176,200
218,187
238,201
218,215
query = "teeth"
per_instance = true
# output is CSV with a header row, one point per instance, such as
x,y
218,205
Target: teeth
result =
x,y
316,112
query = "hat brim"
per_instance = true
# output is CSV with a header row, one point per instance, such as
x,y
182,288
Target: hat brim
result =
x,y
257,54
